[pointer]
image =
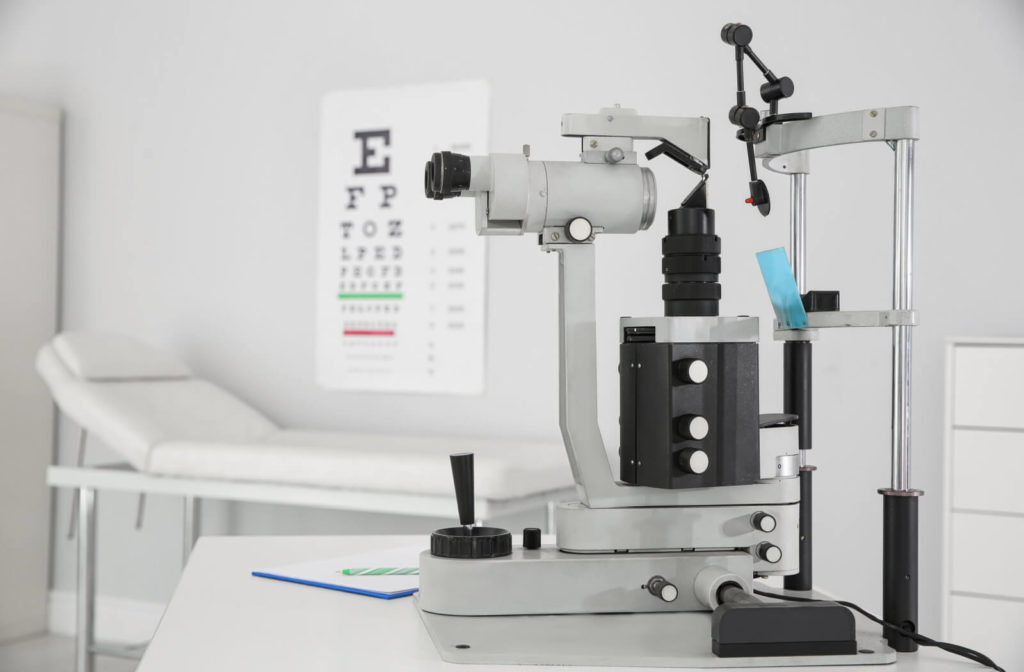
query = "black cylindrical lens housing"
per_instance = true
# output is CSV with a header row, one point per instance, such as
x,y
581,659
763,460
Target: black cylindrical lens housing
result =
x,y
691,262
447,175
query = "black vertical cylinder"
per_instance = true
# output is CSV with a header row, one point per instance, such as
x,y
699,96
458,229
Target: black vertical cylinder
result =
x,y
899,573
462,474
797,386
796,399
803,580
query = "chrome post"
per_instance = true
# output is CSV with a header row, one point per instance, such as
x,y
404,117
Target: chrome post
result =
x,y
798,241
86,589
902,299
798,229
79,461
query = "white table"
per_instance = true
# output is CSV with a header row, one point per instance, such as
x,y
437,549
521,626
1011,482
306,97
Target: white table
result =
x,y
222,618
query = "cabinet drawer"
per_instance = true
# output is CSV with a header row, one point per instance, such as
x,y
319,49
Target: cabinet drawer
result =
x,y
990,626
988,386
986,470
986,552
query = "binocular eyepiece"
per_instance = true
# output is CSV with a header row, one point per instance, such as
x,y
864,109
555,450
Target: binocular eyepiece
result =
x,y
737,34
446,175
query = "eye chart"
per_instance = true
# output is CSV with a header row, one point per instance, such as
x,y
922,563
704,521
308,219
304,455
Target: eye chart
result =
x,y
400,278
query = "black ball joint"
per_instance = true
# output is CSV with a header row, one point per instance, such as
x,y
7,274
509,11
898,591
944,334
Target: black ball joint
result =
x,y
737,34
777,90
446,175
744,116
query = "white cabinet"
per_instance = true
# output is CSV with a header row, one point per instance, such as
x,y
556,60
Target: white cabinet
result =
x,y
29,247
983,593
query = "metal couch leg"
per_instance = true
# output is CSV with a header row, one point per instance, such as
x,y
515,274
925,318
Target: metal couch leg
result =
x,y
190,527
79,461
86,590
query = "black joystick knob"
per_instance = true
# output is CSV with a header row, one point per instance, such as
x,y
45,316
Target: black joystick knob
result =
x,y
462,474
467,541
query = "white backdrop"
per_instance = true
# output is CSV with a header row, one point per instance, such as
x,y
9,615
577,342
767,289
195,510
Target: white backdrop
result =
x,y
191,193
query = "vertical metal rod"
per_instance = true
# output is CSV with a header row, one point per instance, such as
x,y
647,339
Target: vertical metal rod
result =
x,y
79,461
190,529
140,510
86,589
902,299
798,255
798,229
552,505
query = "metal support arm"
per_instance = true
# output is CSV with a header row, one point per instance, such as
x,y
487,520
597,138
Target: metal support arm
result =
x,y
578,418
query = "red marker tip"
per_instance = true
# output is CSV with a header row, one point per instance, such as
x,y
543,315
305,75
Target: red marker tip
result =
x,y
749,200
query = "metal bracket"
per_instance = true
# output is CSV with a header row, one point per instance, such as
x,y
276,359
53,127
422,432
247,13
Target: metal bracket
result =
x,y
789,164
845,128
689,133
839,319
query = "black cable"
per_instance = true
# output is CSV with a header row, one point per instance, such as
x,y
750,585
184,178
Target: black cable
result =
x,y
956,649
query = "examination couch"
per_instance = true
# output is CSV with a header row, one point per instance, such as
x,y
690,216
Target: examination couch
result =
x,y
177,434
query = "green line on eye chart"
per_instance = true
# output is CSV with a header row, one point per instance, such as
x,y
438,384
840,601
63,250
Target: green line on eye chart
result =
x,y
371,296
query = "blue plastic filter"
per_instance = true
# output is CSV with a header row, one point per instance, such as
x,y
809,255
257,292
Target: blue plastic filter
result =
x,y
782,290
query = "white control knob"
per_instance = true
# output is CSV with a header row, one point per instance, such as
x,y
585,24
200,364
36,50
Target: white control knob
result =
x,y
770,552
694,461
659,587
579,229
693,427
765,522
692,370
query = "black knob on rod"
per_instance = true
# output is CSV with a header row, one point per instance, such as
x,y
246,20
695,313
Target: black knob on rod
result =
x,y
462,474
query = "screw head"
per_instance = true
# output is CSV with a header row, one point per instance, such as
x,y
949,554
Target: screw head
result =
x,y
874,134
593,144
555,236
874,113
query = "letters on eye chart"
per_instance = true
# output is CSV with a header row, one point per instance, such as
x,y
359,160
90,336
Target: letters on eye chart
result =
x,y
400,279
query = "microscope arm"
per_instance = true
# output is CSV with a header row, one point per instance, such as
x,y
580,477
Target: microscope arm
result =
x,y
688,135
845,128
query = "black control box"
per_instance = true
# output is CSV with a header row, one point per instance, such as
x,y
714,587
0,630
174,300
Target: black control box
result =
x,y
688,412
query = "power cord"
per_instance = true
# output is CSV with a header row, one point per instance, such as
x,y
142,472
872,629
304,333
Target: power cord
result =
x,y
956,649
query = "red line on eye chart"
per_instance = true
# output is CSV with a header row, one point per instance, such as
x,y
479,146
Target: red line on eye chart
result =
x,y
369,332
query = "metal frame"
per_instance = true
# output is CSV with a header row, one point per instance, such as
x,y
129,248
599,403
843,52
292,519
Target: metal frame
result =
x,y
88,481
784,149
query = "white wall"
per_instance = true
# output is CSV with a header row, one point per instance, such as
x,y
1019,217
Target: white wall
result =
x,y
191,195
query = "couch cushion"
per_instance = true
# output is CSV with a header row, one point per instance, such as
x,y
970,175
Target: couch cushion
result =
x,y
132,416
93,356
504,469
